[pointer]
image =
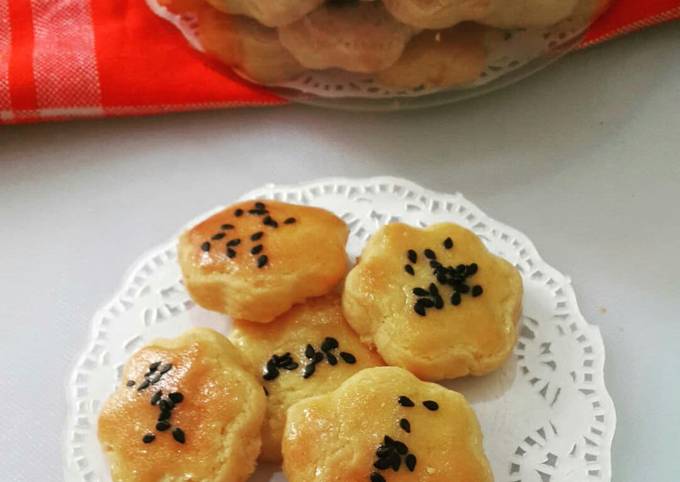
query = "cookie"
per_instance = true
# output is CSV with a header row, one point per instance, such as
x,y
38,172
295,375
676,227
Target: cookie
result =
x,y
186,409
437,14
435,59
256,259
310,350
246,46
268,12
358,36
434,301
384,424
509,14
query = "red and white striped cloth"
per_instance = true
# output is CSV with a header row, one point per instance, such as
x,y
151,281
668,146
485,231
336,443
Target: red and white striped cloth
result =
x,y
62,59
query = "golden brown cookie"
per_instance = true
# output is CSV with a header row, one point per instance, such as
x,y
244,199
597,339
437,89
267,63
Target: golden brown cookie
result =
x,y
437,14
256,259
358,37
186,409
445,58
434,301
384,424
268,12
243,44
528,13
310,350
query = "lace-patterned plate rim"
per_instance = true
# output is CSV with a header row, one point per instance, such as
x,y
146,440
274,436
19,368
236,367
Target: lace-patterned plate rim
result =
x,y
362,189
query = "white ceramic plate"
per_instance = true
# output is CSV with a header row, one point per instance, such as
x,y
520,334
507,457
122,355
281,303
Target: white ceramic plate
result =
x,y
546,415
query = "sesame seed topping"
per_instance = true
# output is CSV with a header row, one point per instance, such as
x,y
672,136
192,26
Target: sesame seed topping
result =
x,y
205,246
405,425
477,290
332,359
256,236
156,397
455,299
290,221
309,351
420,292
376,477
130,383
429,254
218,236
404,401
256,249
269,221
271,375
448,243
178,435
154,366
412,256
472,269
262,261
148,438
348,358
400,447
309,370
238,213
166,405
438,302
431,405
163,425
234,242
226,227
411,462
419,309
259,205
143,385
231,253
164,415
176,397
409,269
329,343
165,368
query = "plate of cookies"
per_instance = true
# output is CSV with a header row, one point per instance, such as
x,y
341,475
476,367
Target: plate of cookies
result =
x,y
381,54
345,330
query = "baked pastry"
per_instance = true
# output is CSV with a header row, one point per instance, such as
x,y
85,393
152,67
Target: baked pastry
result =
x,y
384,424
528,13
434,301
358,36
247,46
445,58
437,14
186,409
310,350
256,259
268,12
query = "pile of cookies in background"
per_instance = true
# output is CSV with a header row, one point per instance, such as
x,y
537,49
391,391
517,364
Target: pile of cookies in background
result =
x,y
401,44
329,369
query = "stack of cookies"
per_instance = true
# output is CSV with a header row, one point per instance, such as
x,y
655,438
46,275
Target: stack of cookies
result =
x,y
401,43
328,370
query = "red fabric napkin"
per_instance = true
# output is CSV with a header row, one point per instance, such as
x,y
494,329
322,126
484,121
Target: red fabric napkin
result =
x,y
63,59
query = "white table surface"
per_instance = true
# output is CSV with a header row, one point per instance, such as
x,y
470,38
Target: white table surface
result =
x,y
584,158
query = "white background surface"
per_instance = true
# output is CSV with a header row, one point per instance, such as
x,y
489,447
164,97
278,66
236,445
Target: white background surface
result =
x,y
583,158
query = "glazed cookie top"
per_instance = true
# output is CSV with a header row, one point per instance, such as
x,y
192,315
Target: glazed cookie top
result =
x,y
184,408
309,350
434,300
384,424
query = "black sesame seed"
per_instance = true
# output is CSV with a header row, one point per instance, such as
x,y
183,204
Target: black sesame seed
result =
x,y
163,425
400,447
309,370
257,212
329,343
259,205
405,425
291,366
420,292
409,269
382,464
434,291
431,405
153,379
429,254
412,256
262,261
130,383
461,268
404,401
164,415
218,236
332,359
348,358
309,351
438,302
238,213
269,221
165,368
472,269
441,278
156,397
435,265
383,451
166,405
420,309
226,227
425,303
256,236
376,477
455,299
318,357
176,397
281,359
234,242
395,462
462,288
205,246
477,290
448,243
411,462
289,221
271,375
154,366
231,253
389,441
148,438
143,385
256,249
178,435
